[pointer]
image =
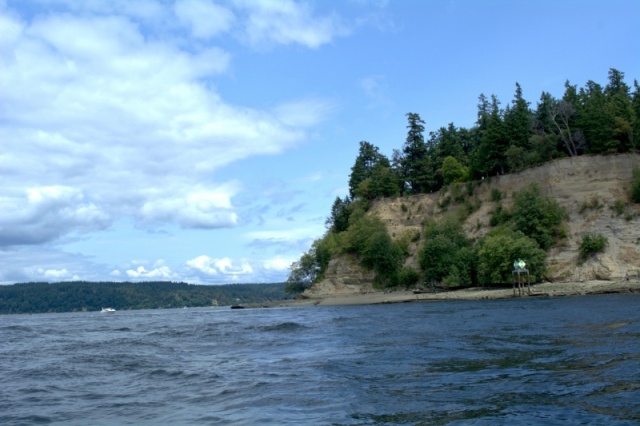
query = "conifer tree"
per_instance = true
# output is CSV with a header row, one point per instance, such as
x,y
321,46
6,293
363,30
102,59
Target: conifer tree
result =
x,y
368,157
620,108
635,104
417,167
518,121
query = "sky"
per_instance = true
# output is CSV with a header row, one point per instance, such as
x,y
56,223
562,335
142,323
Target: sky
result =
x,y
205,141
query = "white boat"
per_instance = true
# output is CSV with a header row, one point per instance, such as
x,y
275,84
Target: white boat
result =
x,y
107,310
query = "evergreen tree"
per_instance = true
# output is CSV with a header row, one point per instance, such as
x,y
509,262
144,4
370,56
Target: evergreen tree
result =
x,y
635,104
620,108
596,119
340,212
518,121
417,167
450,142
489,155
368,157
545,138
382,183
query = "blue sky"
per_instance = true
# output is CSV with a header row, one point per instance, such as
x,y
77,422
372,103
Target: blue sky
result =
x,y
205,140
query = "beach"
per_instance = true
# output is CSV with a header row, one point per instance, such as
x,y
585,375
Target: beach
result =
x,y
546,289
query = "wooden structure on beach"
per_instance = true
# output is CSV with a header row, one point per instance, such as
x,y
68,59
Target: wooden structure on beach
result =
x,y
518,278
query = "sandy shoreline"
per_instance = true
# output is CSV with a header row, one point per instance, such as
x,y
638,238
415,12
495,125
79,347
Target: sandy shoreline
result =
x,y
537,290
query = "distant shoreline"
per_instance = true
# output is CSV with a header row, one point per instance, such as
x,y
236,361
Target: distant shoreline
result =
x,y
556,289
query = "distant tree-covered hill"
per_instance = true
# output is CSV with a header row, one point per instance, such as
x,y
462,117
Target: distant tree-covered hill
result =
x,y
92,296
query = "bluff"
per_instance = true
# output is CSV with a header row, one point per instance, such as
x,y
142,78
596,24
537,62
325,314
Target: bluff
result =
x,y
594,190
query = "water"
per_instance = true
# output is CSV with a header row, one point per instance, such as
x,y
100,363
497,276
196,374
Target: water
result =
x,y
521,361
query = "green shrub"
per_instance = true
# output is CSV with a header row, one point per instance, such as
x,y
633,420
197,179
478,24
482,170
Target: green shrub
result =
x,y
470,188
312,264
538,217
499,216
406,238
496,195
383,256
592,204
635,186
408,277
453,171
446,255
444,202
618,207
497,252
592,244
367,237
457,192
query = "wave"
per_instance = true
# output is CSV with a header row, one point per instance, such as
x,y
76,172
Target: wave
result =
x,y
283,326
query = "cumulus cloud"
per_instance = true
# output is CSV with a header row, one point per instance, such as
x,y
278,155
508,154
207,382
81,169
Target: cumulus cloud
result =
x,y
44,213
223,266
161,272
125,122
202,208
206,269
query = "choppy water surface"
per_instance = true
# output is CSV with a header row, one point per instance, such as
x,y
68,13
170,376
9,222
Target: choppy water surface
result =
x,y
521,361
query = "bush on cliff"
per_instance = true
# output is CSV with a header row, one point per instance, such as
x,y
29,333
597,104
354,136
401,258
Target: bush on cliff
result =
x,y
497,252
447,256
538,217
592,244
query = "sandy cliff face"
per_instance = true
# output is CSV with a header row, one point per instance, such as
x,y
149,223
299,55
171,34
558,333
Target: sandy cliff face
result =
x,y
594,190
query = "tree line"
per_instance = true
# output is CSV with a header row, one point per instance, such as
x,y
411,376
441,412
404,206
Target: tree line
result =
x,y
593,119
93,296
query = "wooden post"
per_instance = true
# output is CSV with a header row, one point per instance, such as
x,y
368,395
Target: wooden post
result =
x,y
517,278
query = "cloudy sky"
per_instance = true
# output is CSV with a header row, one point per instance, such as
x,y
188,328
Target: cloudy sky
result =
x,y
205,140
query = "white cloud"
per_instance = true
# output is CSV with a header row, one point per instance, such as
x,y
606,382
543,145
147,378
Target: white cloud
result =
x,y
157,271
203,264
203,208
126,121
55,275
278,264
205,19
48,212
287,22
224,266
142,272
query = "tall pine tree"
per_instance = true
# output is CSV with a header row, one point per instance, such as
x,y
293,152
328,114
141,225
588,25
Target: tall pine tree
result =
x,y
417,167
368,157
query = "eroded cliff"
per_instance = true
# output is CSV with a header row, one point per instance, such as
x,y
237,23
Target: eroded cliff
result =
x,y
594,190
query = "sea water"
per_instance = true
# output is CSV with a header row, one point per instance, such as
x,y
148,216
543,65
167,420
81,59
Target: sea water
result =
x,y
568,361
